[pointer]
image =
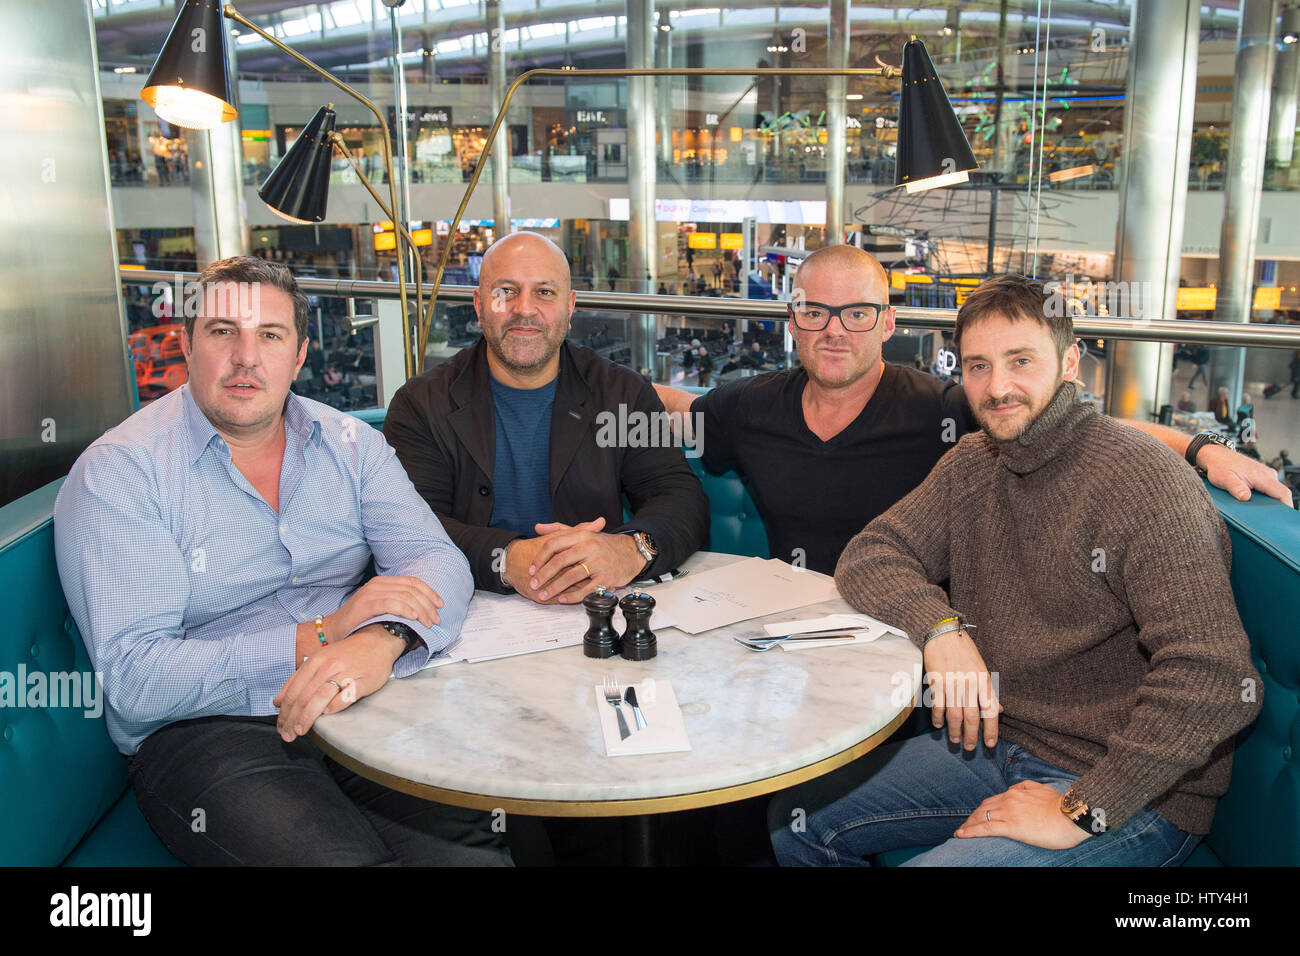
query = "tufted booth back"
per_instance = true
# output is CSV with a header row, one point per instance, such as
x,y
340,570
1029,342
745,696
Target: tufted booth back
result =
x,y
59,772
1257,822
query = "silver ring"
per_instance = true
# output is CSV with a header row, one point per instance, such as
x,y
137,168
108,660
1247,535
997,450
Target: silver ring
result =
x,y
988,816
335,683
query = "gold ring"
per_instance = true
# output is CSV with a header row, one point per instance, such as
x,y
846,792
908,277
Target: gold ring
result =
x,y
585,568
336,684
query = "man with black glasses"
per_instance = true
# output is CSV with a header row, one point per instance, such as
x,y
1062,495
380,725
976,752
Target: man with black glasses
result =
x,y
828,447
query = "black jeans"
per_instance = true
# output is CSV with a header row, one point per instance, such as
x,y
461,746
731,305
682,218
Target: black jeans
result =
x,y
223,791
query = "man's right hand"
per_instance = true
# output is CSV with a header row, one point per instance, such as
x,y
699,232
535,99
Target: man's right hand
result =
x,y
954,669
404,597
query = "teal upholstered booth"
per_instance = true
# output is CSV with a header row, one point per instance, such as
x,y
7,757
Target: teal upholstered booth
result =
x,y
64,797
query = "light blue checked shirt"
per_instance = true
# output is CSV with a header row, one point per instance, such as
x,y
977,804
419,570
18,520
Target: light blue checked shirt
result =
x,y
188,588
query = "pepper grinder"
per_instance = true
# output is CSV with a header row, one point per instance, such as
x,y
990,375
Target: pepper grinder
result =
x,y
638,640
601,640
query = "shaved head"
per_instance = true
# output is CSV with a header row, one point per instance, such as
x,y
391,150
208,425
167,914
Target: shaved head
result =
x,y
507,247
843,258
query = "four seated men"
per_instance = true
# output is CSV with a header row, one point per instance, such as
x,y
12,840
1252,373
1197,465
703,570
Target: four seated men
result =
x,y
246,615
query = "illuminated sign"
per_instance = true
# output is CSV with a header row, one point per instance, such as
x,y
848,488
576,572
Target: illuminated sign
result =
x,y
702,240
733,240
385,241
790,211
423,237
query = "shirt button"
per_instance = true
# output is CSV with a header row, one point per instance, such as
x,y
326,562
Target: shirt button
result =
x,y
484,490
295,581
284,529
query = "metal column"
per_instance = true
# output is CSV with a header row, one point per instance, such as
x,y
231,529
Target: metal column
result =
x,y
837,37
642,234
496,26
1243,180
401,154
217,185
1286,84
1163,37
664,90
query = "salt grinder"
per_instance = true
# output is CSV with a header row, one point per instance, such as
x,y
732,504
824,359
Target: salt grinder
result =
x,y
601,640
638,640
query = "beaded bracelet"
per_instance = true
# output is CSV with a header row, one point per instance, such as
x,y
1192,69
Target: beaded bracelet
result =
x,y
320,629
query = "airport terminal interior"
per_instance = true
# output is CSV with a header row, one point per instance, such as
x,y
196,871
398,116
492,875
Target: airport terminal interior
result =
x,y
1143,163
742,171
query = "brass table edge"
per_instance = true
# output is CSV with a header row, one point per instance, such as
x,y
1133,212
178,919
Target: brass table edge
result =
x,y
615,808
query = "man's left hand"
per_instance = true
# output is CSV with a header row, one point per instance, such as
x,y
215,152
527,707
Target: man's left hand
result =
x,y
1029,812
334,677
1237,474
574,561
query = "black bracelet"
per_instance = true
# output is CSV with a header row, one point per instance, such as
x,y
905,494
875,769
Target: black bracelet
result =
x,y
404,631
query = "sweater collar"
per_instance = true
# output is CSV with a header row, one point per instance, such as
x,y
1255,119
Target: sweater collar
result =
x,y
1050,434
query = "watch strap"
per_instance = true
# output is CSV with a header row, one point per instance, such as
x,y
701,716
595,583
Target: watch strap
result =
x,y
404,631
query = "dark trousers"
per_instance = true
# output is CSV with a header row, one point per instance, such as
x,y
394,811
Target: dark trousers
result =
x,y
223,791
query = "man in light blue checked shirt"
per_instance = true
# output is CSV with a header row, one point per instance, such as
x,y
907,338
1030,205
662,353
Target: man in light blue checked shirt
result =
x,y
198,543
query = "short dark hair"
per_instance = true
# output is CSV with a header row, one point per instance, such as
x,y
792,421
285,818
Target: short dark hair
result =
x,y
1017,297
251,269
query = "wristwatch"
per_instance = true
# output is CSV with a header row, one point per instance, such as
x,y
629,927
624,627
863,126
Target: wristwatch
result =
x,y
1072,806
1200,440
646,545
404,631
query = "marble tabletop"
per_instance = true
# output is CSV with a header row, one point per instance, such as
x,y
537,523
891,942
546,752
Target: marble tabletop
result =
x,y
523,732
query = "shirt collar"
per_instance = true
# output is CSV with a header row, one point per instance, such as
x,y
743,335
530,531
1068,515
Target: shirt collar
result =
x,y
201,432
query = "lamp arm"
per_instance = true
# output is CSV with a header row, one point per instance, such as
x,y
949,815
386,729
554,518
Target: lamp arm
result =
x,y
425,317
230,13
338,141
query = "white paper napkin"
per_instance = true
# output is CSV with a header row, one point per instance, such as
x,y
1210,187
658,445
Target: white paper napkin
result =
x,y
665,731
866,629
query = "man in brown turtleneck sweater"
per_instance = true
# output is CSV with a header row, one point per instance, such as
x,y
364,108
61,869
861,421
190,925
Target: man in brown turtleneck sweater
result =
x,y
1088,575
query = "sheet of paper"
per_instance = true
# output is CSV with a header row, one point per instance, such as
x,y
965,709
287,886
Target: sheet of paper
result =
x,y
505,625
741,591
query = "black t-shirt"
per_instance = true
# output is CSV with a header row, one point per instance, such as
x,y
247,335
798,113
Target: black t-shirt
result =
x,y
813,495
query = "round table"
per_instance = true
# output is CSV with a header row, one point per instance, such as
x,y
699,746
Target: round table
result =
x,y
521,734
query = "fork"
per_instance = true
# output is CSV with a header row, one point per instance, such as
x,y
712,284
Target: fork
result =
x,y
614,697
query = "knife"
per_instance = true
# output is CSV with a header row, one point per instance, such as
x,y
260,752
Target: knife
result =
x,y
630,697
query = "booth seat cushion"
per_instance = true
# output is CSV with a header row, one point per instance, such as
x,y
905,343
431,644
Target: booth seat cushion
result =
x,y
122,838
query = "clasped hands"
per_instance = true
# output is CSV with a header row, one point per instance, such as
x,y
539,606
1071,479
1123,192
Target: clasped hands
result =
x,y
355,663
962,695
566,562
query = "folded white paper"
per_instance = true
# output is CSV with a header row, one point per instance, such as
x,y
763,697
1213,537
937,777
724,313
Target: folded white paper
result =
x,y
665,731
865,628
741,591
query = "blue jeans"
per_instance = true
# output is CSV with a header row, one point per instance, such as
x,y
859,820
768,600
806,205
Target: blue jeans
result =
x,y
917,792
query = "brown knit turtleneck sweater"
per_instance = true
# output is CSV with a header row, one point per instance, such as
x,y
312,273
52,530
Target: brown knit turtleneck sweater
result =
x,y
1095,568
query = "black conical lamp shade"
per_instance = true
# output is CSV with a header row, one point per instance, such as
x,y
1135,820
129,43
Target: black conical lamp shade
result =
x,y
298,188
932,149
189,84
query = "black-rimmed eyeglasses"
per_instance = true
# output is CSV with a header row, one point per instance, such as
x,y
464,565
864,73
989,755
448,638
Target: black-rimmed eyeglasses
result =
x,y
855,316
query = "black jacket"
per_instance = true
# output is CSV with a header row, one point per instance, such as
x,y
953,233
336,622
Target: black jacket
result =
x,y
442,424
